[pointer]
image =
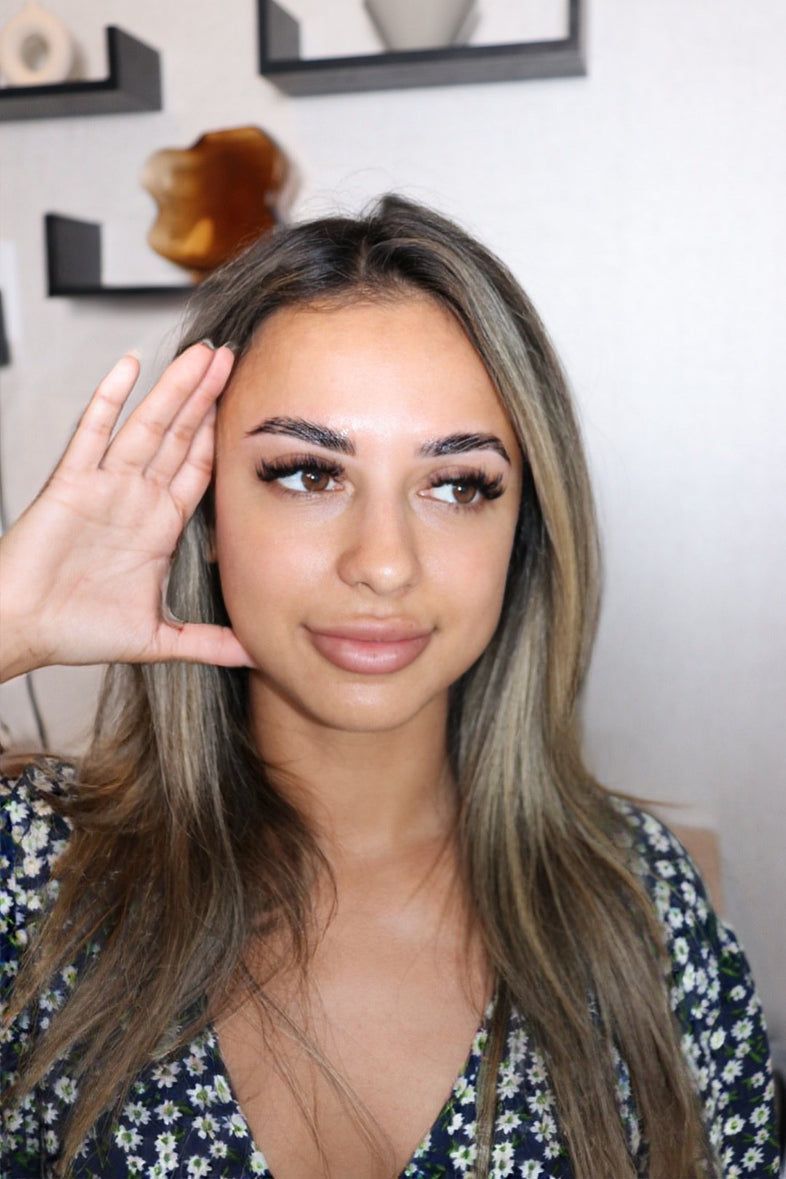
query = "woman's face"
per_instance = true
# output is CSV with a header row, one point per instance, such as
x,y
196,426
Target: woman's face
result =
x,y
367,489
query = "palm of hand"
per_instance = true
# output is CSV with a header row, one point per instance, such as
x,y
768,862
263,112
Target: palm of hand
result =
x,y
91,554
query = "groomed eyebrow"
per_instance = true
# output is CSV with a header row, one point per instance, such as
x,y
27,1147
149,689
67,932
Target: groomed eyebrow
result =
x,y
319,435
460,443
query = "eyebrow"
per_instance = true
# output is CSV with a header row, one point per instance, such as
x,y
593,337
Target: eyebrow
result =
x,y
319,435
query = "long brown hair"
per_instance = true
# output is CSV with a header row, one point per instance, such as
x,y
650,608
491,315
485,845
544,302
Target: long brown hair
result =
x,y
183,849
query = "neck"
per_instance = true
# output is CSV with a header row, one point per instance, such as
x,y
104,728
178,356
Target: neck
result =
x,y
366,794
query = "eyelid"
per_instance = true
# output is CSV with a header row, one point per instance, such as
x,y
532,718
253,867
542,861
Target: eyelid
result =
x,y
271,470
456,474
309,458
489,486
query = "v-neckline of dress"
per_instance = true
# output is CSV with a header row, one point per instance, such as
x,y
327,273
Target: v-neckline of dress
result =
x,y
219,1071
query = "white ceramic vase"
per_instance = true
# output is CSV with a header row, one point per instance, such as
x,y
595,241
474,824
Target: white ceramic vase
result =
x,y
421,24
36,48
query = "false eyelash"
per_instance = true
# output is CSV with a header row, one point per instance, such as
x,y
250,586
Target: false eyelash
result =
x,y
268,472
489,488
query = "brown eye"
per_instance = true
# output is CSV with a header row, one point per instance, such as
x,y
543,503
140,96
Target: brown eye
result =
x,y
300,475
315,480
464,493
468,490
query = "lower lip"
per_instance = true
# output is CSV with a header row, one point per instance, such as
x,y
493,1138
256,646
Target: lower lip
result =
x,y
369,658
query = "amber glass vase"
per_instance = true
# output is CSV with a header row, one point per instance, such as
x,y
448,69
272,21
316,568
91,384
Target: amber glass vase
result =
x,y
214,197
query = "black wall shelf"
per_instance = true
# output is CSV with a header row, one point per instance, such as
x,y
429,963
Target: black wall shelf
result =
x,y
133,84
280,61
73,261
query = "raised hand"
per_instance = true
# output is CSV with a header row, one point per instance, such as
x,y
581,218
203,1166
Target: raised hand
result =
x,y
82,570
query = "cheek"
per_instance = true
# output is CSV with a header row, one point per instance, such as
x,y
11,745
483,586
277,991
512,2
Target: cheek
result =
x,y
470,580
263,568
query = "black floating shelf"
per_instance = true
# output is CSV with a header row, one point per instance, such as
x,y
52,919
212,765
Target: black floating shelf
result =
x,y
73,261
133,84
280,61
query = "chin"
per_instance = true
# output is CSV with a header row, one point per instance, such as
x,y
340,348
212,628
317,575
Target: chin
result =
x,y
357,722
367,714
365,707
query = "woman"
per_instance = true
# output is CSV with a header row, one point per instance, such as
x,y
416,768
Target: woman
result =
x,y
332,849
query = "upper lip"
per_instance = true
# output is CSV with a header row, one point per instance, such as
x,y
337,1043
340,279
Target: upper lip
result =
x,y
374,630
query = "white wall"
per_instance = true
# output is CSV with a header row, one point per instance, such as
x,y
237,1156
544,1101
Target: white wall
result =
x,y
643,209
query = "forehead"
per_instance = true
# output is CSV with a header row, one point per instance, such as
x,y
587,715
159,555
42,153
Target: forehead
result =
x,y
380,367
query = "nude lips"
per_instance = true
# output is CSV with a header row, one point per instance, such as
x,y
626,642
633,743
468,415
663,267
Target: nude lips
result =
x,y
369,656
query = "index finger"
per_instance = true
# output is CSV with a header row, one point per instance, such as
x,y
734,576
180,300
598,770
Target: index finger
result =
x,y
193,372
94,428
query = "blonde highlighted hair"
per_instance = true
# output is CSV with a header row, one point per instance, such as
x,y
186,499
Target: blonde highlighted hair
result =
x,y
183,849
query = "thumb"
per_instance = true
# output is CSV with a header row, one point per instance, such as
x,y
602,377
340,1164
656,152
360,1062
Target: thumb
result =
x,y
200,642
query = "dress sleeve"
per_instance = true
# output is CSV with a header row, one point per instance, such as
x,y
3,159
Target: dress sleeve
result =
x,y
714,998
32,835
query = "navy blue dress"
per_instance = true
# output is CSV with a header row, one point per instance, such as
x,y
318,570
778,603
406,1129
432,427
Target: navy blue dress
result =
x,y
183,1118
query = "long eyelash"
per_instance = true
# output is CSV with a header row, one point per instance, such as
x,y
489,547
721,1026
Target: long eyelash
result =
x,y
268,472
489,488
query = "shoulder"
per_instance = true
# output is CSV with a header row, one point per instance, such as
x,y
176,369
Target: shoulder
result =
x,y
32,836
700,943
42,777
31,829
713,996
664,864
695,936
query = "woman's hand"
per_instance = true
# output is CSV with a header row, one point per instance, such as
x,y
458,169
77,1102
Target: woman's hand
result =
x,y
83,569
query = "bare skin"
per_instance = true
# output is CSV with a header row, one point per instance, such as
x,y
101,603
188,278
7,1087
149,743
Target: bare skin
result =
x,y
399,980
394,1001
82,569
398,985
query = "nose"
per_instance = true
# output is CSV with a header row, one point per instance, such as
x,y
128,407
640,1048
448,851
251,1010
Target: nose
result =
x,y
379,548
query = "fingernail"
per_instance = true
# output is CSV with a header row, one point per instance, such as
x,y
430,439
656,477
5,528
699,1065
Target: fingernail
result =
x,y
208,343
232,345
137,355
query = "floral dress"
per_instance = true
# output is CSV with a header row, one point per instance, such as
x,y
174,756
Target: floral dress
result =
x,y
183,1118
